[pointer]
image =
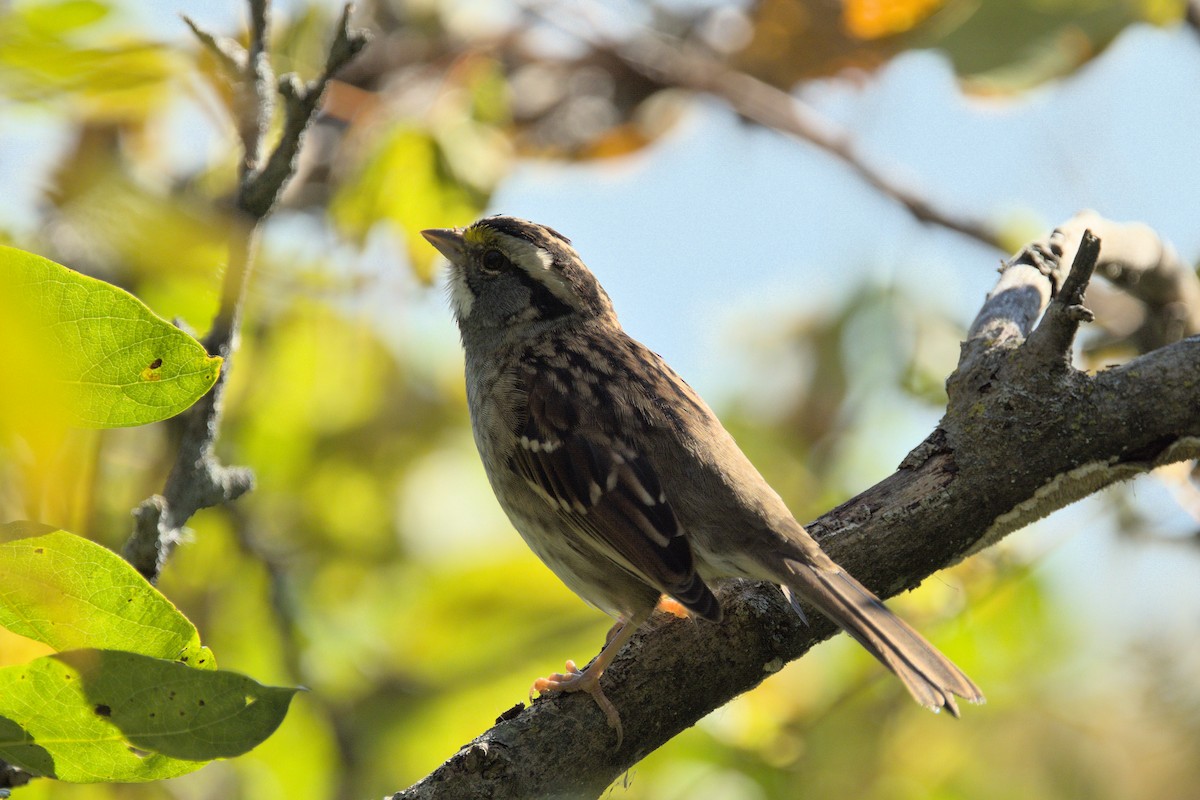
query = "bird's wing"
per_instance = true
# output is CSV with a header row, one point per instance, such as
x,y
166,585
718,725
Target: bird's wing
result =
x,y
609,492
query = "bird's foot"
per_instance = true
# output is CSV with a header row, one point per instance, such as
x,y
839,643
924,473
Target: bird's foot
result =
x,y
577,680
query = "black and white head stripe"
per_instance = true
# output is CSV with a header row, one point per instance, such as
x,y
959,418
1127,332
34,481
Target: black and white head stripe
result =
x,y
539,235
547,258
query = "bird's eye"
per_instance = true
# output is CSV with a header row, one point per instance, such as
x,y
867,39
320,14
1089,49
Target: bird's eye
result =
x,y
494,262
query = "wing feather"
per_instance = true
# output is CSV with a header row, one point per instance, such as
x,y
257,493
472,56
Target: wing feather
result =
x,y
609,492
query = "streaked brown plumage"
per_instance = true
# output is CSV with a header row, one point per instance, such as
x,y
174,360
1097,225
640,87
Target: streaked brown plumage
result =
x,y
617,474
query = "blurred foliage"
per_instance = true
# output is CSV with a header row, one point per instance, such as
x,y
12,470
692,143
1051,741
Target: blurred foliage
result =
x,y
417,176
50,52
994,46
371,563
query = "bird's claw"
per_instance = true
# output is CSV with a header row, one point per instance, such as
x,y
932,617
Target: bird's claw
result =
x,y
577,680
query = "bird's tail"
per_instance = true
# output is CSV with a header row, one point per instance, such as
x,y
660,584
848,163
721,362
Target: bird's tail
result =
x,y
930,677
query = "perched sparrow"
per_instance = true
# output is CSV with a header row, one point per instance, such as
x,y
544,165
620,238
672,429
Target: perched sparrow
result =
x,y
616,473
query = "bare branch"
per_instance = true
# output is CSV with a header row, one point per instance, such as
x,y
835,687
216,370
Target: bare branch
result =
x,y
1136,261
1027,282
1018,441
687,68
1133,258
11,777
198,480
1050,342
260,192
229,54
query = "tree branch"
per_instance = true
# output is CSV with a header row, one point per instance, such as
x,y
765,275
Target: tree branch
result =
x,y
1018,440
260,192
1137,262
1161,294
1050,342
198,480
687,68
11,778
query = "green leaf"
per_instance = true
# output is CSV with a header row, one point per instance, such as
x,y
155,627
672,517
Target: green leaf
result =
x,y
63,53
100,715
1014,46
93,351
67,592
407,181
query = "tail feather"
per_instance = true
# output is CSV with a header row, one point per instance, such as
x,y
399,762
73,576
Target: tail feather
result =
x,y
931,678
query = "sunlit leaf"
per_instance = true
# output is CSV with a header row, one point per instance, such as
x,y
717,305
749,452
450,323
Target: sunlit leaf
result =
x,y
71,593
871,19
169,245
158,237
102,715
406,182
95,348
50,52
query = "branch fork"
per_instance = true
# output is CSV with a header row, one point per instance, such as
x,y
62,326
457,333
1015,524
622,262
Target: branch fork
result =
x,y
198,480
1051,341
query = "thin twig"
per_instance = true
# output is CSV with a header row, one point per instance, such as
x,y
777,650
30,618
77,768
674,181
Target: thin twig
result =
x,y
254,97
1051,340
11,777
679,65
259,193
228,53
198,480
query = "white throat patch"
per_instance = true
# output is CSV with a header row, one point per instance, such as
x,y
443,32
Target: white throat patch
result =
x,y
461,296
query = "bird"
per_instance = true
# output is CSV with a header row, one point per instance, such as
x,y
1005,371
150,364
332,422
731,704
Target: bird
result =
x,y
617,474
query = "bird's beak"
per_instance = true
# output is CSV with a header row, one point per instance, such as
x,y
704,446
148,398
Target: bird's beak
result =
x,y
448,241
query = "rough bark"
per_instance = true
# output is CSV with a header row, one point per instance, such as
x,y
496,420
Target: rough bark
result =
x,y
1024,433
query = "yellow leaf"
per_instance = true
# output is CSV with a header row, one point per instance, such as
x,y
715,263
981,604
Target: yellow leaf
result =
x,y
874,19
